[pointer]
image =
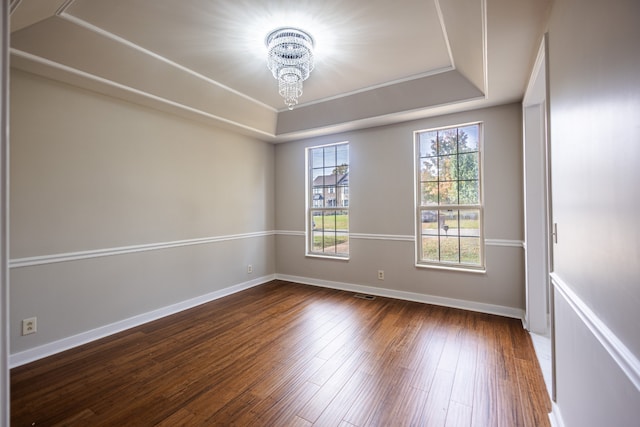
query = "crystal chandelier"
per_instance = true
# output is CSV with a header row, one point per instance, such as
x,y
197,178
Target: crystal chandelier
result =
x,y
290,59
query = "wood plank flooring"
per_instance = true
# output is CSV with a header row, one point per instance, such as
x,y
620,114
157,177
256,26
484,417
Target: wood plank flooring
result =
x,y
285,354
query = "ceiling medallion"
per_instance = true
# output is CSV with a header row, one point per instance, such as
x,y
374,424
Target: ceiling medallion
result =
x,y
290,59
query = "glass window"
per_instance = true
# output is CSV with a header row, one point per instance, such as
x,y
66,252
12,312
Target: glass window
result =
x,y
328,200
449,197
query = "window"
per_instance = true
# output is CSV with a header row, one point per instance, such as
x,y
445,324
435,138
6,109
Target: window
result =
x,y
449,197
328,200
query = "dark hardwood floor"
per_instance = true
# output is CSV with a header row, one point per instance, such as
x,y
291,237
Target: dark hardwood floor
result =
x,y
284,354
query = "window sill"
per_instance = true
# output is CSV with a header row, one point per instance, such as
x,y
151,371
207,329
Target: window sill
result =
x,y
476,270
333,257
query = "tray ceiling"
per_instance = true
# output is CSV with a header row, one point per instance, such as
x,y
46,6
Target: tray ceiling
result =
x,y
377,61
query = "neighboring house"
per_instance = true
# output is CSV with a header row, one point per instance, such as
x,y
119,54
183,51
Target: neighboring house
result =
x,y
331,191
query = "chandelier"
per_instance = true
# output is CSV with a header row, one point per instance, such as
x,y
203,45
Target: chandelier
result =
x,y
290,59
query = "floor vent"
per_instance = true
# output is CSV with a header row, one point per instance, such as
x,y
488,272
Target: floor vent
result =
x,y
363,296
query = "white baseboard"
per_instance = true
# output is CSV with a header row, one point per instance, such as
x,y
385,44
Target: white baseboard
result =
x,y
51,348
555,418
515,313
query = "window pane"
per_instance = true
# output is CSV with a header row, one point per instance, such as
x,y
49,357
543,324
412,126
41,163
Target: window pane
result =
x,y
342,197
448,193
429,219
468,138
468,166
317,227
470,250
330,156
317,220
470,222
429,191
316,175
447,142
449,223
342,155
430,248
329,178
429,169
342,232
447,168
469,192
328,237
428,144
449,249
317,158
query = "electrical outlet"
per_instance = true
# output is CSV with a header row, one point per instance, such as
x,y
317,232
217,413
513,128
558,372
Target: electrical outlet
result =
x,y
249,269
380,274
30,326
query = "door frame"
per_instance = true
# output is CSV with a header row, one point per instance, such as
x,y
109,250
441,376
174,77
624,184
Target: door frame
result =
x,y
5,403
537,203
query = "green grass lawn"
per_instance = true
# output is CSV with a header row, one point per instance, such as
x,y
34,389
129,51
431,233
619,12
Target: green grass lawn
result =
x,y
333,222
467,249
329,240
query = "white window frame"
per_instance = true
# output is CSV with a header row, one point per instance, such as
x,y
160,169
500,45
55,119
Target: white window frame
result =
x,y
448,265
310,207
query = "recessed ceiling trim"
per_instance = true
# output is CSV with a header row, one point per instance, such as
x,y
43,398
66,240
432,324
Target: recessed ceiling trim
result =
x,y
88,76
444,33
86,25
374,87
383,120
64,7
485,66
13,5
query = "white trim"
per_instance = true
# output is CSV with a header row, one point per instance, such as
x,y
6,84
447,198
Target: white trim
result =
x,y
445,33
96,253
462,268
289,233
13,5
5,389
391,237
405,238
327,256
538,68
485,50
555,417
51,348
504,243
62,13
480,307
625,359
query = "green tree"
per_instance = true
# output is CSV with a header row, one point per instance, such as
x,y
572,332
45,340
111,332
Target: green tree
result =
x,y
341,170
449,171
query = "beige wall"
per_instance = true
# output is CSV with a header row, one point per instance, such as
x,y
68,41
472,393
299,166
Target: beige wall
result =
x,y
594,60
90,173
382,203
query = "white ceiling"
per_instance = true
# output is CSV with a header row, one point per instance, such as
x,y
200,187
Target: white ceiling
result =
x,y
377,62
